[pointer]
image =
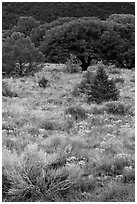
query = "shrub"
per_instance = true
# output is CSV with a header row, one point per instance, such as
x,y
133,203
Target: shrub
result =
x,y
128,174
97,87
99,109
50,125
78,113
43,82
117,192
118,80
121,161
31,177
133,80
72,65
117,108
6,91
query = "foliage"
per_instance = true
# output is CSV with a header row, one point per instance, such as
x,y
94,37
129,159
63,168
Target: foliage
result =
x,y
45,11
40,151
17,52
128,174
98,88
43,82
72,65
88,39
120,42
50,125
78,37
78,113
25,25
32,176
122,18
6,91
117,108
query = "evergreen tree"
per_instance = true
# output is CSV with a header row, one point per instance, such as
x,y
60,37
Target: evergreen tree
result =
x,y
102,88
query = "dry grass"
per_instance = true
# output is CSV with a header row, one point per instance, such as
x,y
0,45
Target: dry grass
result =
x,y
90,159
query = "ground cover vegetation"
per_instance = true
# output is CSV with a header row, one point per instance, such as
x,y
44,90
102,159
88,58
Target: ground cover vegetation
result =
x,y
68,129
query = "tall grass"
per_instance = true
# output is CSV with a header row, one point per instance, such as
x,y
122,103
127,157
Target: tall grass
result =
x,y
32,177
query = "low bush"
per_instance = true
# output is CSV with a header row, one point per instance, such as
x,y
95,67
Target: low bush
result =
x,y
31,177
43,82
50,125
117,192
78,113
118,108
72,65
121,161
128,174
6,91
98,109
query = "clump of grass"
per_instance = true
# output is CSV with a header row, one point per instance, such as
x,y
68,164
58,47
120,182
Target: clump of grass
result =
x,y
78,113
118,108
6,90
50,125
117,192
43,82
31,177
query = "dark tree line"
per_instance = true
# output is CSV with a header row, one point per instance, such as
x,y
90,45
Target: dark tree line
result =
x,y
50,11
88,38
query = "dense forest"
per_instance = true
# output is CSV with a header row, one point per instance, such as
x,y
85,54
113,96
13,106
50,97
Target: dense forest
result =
x,y
47,12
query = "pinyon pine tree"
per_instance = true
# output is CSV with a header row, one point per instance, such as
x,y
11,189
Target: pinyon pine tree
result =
x,y
102,88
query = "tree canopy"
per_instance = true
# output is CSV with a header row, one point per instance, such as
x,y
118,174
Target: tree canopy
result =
x,y
18,51
90,38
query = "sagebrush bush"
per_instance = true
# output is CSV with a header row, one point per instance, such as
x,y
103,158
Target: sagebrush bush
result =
x,y
98,109
128,174
98,87
72,65
50,125
6,91
31,177
121,161
118,108
78,113
43,82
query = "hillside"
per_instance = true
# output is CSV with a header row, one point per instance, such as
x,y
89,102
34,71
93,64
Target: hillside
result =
x,y
50,155
47,12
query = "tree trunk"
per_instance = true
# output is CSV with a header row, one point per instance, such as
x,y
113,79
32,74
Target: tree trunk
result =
x,y
85,64
20,68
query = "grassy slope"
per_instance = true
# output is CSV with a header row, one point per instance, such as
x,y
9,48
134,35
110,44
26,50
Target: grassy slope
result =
x,y
99,138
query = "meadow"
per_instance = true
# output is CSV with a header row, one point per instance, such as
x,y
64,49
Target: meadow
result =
x,y
57,147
